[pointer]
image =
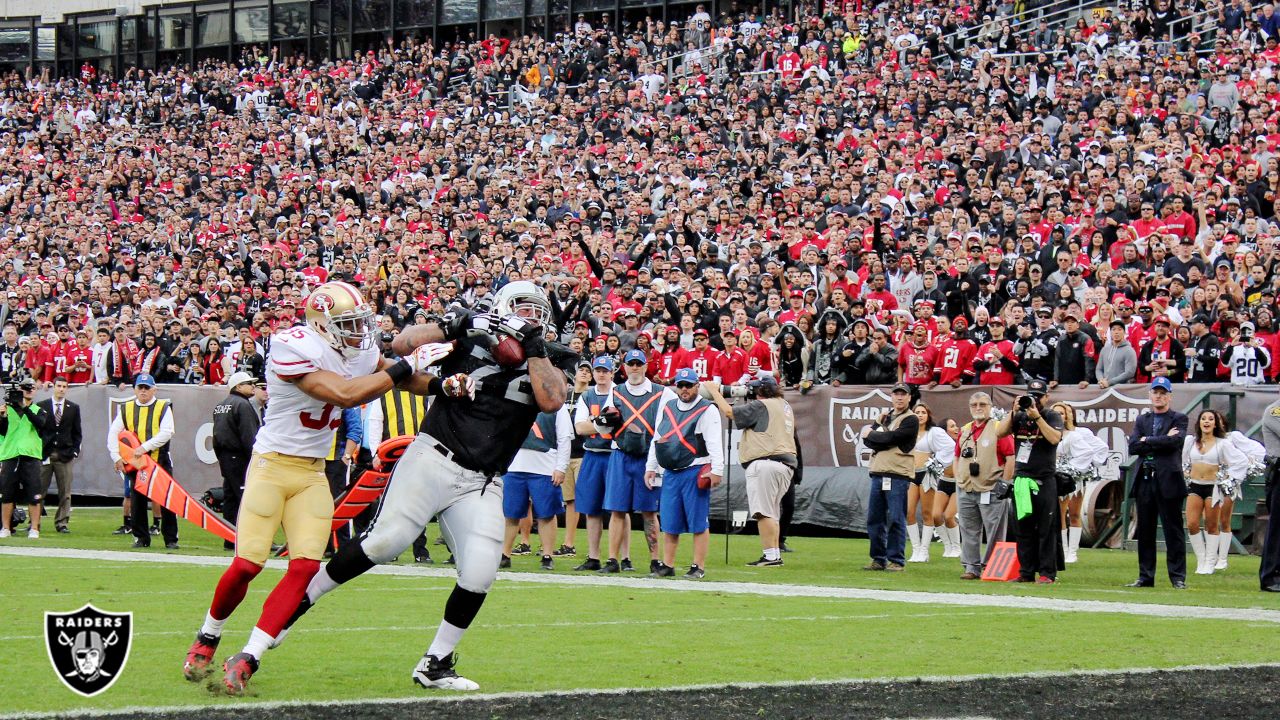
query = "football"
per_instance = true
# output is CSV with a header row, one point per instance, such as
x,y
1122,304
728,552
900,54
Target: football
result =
x,y
508,352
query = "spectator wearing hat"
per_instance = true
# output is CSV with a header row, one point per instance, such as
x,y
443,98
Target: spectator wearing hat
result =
x,y
1205,352
1162,355
892,438
1159,488
1037,348
1246,357
954,361
1075,354
151,419
594,419
917,357
996,361
236,421
687,446
704,359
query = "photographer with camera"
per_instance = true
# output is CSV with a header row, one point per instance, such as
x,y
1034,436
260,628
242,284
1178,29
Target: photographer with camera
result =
x,y
1036,431
983,468
22,427
768,453
1247,357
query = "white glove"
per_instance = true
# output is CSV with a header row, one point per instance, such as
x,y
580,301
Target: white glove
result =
x,y
459,385
427,355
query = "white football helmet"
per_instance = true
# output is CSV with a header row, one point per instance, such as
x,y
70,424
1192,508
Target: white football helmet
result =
x,y
523,295
339,314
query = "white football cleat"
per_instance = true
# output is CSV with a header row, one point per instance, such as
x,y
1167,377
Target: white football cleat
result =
x,y
433,672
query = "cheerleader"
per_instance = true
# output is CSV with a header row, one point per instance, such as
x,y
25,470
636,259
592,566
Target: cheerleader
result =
x,y
945,502
1256,455
1210,462
1080,454
935,451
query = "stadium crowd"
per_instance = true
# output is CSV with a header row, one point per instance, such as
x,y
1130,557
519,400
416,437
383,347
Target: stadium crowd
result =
x,y
852,195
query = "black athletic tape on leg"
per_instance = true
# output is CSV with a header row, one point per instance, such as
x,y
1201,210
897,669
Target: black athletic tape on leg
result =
x,y
462,607
350,562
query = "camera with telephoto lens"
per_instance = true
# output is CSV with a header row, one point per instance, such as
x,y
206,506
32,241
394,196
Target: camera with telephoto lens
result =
x,y
746,391
1025,402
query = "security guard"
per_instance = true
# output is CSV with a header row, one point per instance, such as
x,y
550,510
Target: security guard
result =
x,y
398,412
235,426
768,452
22,423
1269,571
152,421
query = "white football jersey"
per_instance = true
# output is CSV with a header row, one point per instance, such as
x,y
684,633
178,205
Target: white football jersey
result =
x,y
296,423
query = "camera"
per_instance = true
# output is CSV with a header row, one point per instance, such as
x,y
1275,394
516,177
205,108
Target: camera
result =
x,y
746,391
1025,402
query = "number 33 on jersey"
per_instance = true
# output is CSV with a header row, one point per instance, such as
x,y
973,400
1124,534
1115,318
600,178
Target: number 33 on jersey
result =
x,y
296,423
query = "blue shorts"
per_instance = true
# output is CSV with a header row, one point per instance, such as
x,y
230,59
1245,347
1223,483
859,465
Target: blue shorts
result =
x,y
685,508
520,488
589,493
624,489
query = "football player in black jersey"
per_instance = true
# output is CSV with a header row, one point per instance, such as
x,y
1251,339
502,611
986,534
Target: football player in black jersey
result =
x,y
454,468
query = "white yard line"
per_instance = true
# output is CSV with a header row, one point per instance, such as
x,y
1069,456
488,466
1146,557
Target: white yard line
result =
x,y
1017,602
329,630
445,700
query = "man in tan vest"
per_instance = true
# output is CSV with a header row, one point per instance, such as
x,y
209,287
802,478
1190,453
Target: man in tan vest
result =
x,y
892,438
982,459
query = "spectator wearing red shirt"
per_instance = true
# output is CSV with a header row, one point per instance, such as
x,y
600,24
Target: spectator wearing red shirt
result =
x,y
995,360
954,360
704,359
79,360
733,359
671,357
916,357
759,354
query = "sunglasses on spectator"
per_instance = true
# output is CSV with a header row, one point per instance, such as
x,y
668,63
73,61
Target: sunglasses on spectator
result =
x,y
685,385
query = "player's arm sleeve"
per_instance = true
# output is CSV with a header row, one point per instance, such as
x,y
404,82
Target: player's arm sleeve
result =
x,y
166,431
287,362
712,431
564,439
113,437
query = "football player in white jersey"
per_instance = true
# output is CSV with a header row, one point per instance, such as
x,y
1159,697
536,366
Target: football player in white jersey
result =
x,y
314,371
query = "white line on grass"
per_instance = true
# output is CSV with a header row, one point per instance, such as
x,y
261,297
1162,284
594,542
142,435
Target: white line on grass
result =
x,y
917,597
574,624
588,692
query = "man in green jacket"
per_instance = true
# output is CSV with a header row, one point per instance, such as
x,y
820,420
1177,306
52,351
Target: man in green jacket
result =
x,y
22,423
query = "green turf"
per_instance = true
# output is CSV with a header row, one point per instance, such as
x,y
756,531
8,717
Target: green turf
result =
x,y
1100,574
363,640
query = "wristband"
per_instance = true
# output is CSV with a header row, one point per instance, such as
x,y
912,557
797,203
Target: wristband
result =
x,y
435,386
400,372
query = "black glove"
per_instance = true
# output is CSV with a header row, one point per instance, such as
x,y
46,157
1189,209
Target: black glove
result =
x,y
458,319
529,334
609,418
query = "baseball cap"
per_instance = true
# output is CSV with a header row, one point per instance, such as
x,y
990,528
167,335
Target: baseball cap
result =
x,y
604,361
701,332
901,387
635,356
686,375
144,380
1162,383
238,379
1037,387
763,380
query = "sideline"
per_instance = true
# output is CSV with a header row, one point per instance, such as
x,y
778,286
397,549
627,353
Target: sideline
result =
x,y
456,699
916,597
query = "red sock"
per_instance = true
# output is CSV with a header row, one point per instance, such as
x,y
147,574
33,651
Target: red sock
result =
x,y
283,601
232,587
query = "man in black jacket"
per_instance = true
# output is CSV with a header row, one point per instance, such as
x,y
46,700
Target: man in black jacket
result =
x,y
1075,355
1205,352
61,448
1160,488
235,426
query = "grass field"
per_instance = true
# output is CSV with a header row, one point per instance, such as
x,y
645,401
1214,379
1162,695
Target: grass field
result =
x,y
362,641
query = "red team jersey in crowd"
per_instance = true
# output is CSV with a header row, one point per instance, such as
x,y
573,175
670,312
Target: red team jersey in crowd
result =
x,y
916,363
74,354
705,362
670,362
733,364
996,374
955,361
759,359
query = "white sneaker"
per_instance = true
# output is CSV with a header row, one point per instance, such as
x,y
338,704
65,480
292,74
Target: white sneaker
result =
x,y
1071,557
433,672
4,533
33,534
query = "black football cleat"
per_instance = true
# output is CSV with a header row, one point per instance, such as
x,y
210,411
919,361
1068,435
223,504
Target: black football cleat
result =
x,y
588,565
610,568
433,672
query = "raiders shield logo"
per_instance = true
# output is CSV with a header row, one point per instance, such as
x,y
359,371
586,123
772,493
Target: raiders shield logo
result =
x,y
848,417
88,647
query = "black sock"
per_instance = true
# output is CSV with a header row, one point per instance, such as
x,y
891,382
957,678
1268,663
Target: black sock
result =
x,y
462,607
349,562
